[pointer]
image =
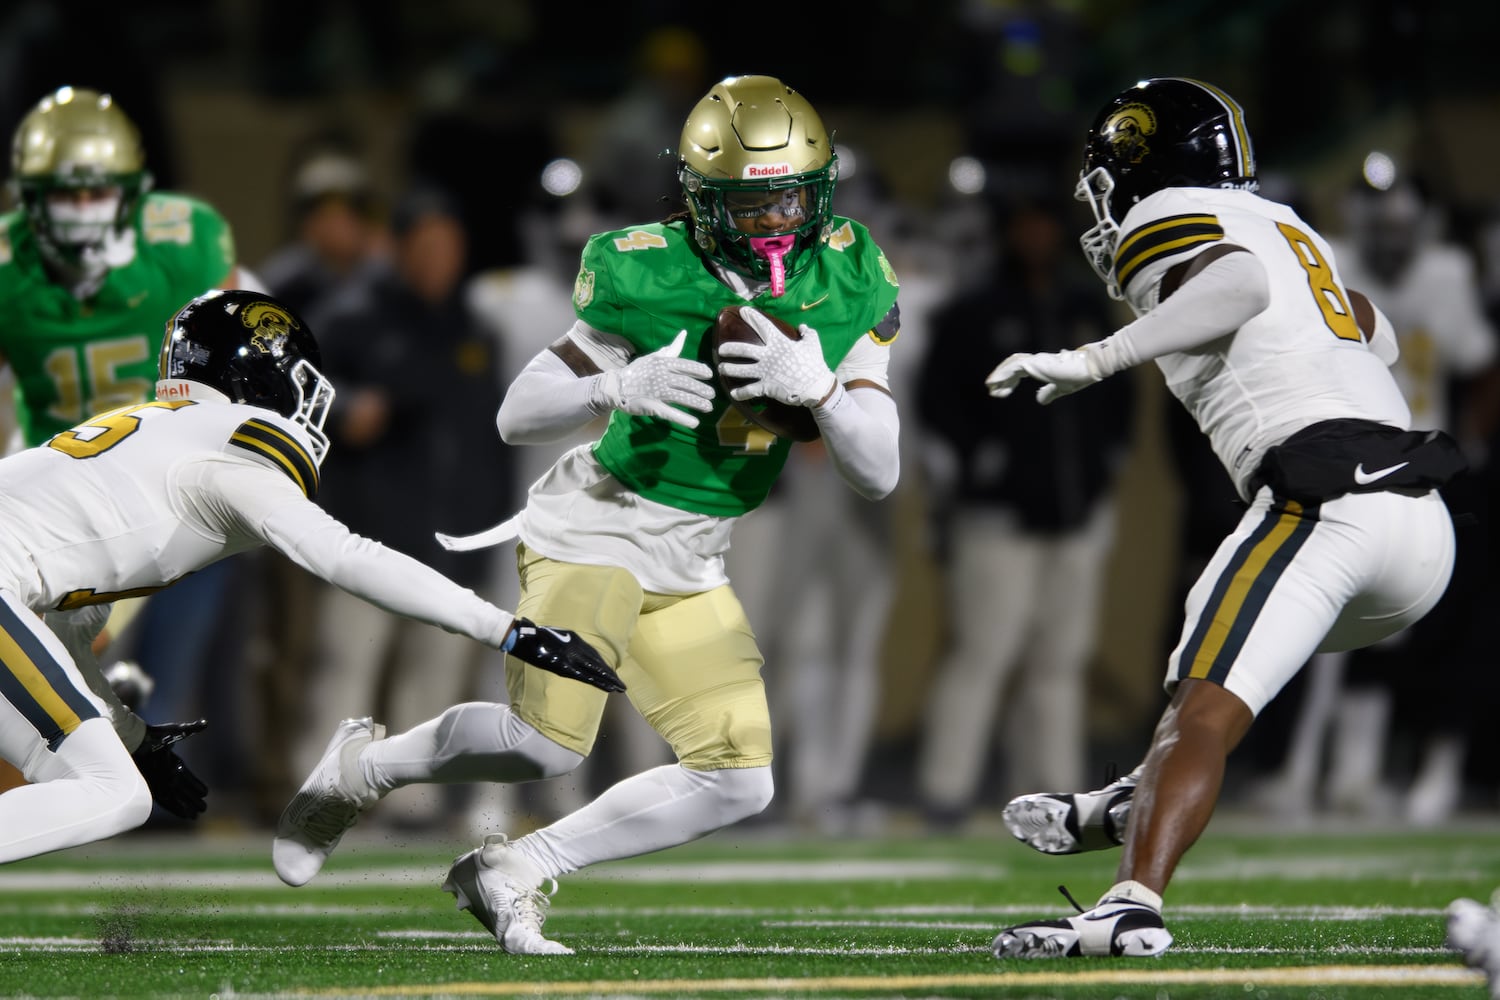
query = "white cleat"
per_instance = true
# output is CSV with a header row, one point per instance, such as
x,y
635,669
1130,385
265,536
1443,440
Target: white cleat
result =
x,y
1474,932
326,806
499,886
1072,822
1118,928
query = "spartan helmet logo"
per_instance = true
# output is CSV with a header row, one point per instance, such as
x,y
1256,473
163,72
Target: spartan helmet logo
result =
x,y
1126,131
271,326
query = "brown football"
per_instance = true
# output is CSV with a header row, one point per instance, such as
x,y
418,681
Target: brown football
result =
x,y
794,422
1364,313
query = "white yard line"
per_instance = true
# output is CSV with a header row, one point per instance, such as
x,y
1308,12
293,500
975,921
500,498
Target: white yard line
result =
x,y
1237,979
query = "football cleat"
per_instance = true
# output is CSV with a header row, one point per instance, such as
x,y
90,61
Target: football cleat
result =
x,y
1474,932
1071,823
1119,928
499,886
326,806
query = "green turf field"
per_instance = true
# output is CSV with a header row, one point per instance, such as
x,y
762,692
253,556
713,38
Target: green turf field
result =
x,y
1257,914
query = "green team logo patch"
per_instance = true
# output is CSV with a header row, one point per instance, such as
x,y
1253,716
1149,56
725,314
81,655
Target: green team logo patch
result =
x,y
887,270
583,288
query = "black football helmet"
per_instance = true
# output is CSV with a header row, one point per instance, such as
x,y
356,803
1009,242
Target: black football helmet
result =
x,y
247,348
1161,133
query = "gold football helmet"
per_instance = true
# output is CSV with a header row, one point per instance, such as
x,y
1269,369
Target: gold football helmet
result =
x,y
757,170
77,141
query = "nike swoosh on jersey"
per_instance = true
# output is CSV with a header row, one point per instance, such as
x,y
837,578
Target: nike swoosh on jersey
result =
x,y
817,301
1364,478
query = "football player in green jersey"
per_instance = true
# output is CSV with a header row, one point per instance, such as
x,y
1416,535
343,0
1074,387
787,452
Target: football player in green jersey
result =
x,y
623,540
93,263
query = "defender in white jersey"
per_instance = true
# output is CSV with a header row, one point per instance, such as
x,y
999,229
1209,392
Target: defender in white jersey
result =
x,y
1345,539
135,499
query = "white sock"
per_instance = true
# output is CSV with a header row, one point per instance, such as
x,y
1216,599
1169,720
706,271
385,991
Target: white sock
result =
x,y
1135,892
88,790
659,808
475,741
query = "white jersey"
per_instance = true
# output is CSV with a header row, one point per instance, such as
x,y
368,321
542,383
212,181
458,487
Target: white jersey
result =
x,y
139,497
1300,361
1435,308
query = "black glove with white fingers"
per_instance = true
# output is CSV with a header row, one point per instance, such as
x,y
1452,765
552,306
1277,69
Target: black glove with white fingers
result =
x,y
561,652
173,786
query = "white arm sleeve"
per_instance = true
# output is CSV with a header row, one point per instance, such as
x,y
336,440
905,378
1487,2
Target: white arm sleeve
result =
x,y
1218,300
862,428
548,401
265,505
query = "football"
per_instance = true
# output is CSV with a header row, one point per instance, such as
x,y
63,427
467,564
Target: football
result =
x,y
1364,313
793,422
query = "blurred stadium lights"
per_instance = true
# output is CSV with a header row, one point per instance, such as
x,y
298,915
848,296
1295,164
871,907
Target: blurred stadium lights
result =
x,y
1379,170
561,177
966,175
848,162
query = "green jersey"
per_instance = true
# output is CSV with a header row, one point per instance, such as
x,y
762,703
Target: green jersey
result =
x,y
75,359
647,283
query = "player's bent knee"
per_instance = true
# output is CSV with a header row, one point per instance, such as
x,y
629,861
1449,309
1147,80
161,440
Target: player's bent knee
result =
x,y
743,791
135,808
94,756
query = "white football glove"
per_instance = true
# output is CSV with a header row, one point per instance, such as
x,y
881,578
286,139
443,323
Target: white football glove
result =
x,y
655,385
786,370
1064,372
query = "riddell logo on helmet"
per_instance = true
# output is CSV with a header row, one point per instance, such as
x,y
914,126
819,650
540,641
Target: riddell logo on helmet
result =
x,y
173,390
767,170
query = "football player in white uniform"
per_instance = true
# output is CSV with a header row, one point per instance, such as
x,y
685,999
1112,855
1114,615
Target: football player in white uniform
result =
x,y
1345,539
224,460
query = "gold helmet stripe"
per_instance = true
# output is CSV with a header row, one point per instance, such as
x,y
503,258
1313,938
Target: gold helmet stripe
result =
x,y
1244,151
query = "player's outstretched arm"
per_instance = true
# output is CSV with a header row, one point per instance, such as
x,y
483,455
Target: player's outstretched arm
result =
x,y
1228,289
265,504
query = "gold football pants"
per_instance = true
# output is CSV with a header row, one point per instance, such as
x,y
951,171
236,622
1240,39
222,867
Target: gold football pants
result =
x,y
690,663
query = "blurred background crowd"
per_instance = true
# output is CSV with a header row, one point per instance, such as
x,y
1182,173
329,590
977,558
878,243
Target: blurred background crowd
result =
x,y
418,179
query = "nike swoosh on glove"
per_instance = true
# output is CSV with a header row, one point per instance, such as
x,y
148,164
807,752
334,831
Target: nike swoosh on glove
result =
x,y
1062,372
780,368
562,652
656,385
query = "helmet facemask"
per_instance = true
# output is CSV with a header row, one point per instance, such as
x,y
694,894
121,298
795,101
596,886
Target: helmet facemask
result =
x,y
767,230
314,399
1102,238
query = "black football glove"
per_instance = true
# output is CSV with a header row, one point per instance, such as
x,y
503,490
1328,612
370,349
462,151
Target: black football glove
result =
x,y
562,652
173,786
